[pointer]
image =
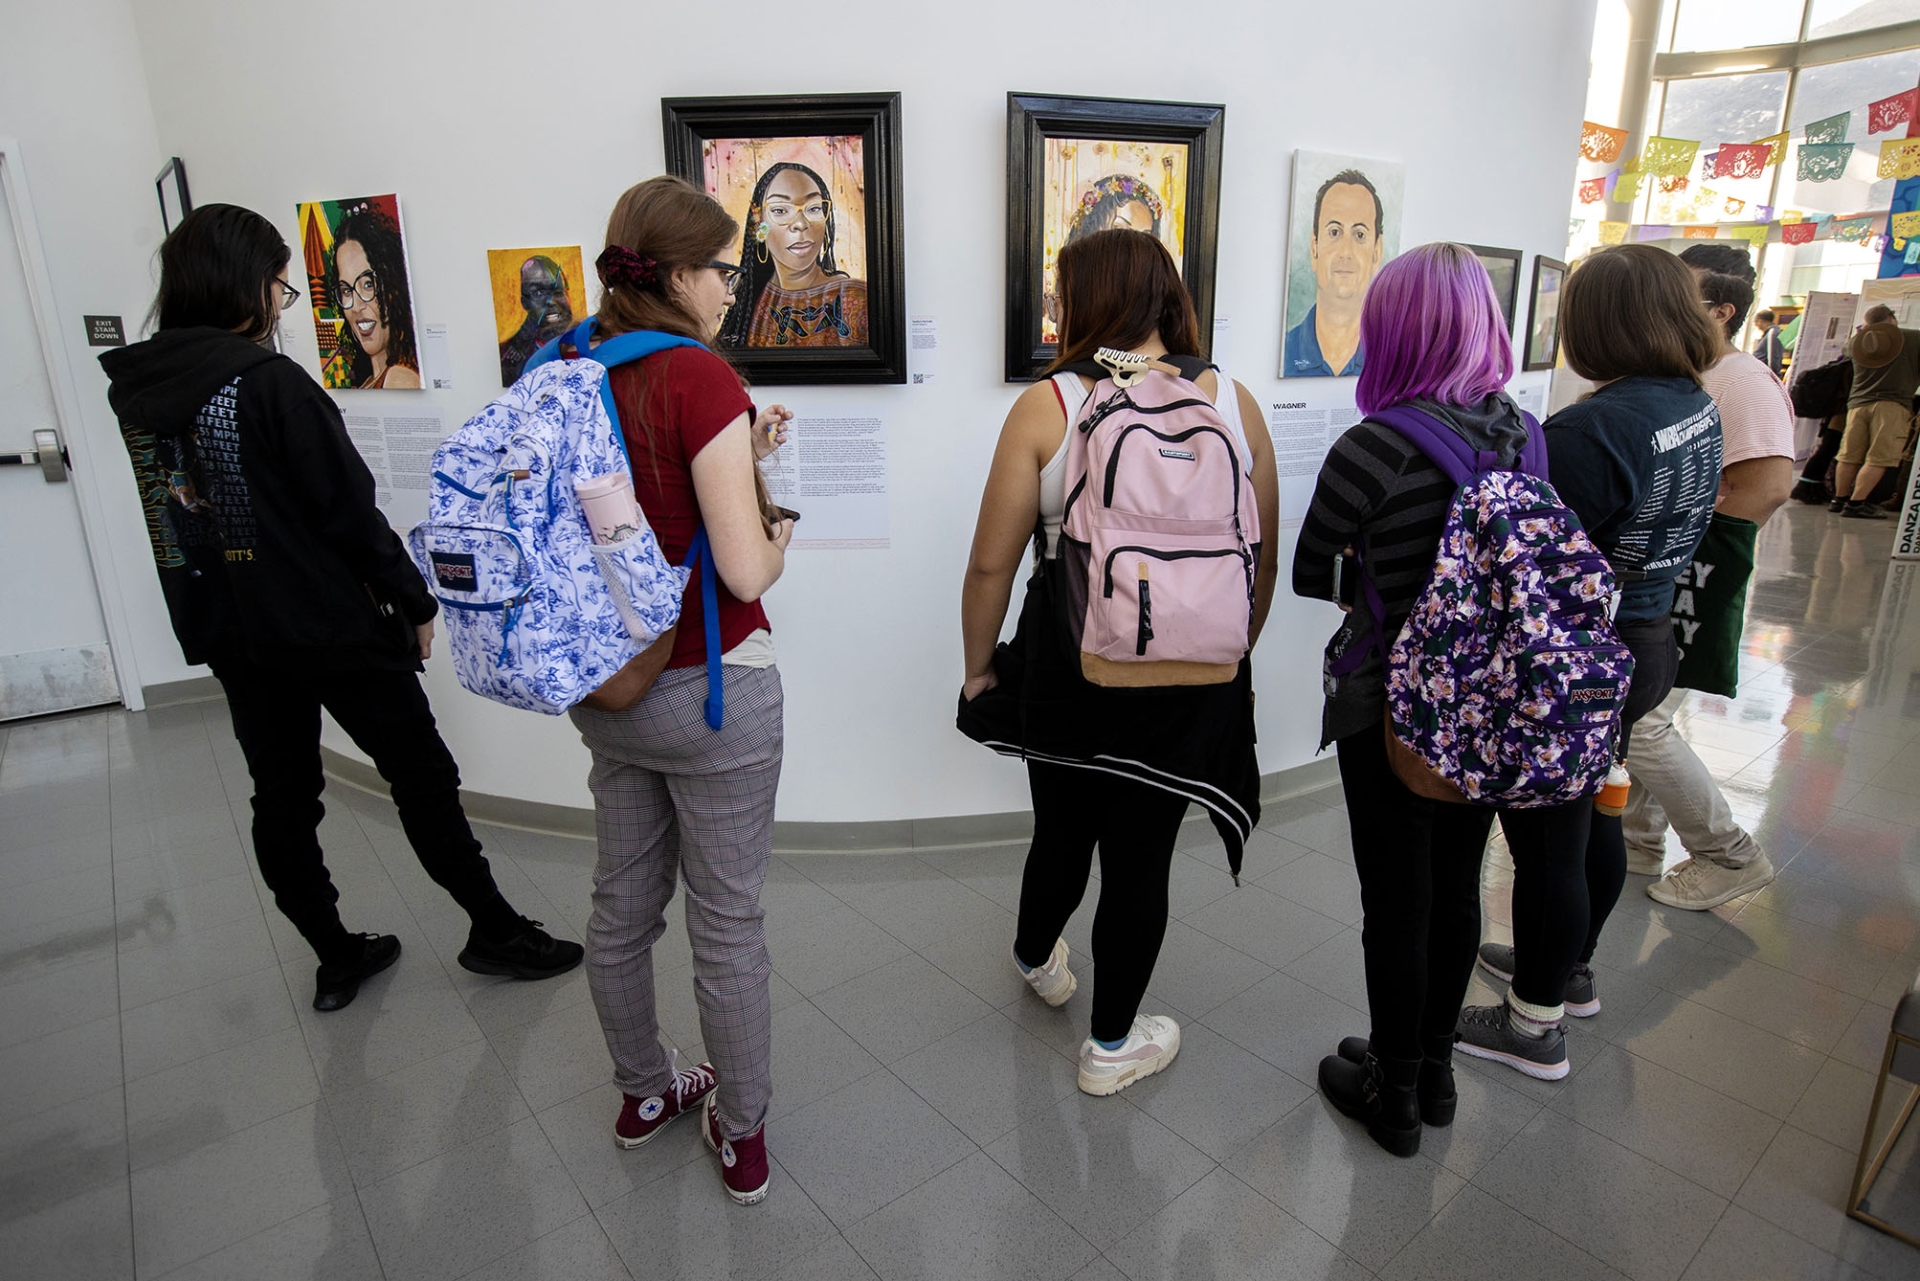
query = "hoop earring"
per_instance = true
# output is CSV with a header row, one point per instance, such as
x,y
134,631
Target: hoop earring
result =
x,y
760,252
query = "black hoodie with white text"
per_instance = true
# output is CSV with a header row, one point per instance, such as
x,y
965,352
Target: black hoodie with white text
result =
x,y
260,511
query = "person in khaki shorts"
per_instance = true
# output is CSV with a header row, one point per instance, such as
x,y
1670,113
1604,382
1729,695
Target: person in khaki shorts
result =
x,y
1886,373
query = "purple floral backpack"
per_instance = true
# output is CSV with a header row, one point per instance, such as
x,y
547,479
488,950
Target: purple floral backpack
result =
x,y
1506,685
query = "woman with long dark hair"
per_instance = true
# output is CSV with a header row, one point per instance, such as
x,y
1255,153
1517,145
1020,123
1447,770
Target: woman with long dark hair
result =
x,y
1435,341
1108,767
673,799
367,281
281,574
791,293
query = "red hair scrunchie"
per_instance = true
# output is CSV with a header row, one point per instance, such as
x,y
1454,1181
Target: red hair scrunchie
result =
x,y
620,266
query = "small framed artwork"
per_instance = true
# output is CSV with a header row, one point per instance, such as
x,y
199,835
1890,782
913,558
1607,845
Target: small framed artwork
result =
x,y
1503,267
171,187
1080,165
1543,314
814,181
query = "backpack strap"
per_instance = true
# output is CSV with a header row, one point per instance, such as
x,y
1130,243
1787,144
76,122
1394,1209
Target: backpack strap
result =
x,y
702,551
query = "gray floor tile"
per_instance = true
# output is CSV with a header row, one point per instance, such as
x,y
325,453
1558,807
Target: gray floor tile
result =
x,y
1852,959
1801,1186
1222,1228
1787,1005
1835,1106
581,1131
1101,1269
54,898
986,1078
555,1058
1745,1247
48,1001
1264,925
1337,967
401,1017
59,1068
1694,1131
1198,878
825,950
396,1121
1323,1170
228,1191
900,1007
88,1237
984,963
579,1251
1197,973
836,1260
812,1057
60,1153
973,1222
185,962
686,1226
1101,1164
21,864
1216,1095
1622,1208
854,1151
205,1100
1488,1114
1477,1236
1320,882
465,1208
327,1243
179,1029
1744,1062
1287,1023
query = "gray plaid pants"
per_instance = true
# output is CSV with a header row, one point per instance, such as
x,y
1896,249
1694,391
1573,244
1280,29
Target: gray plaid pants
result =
x,y
672,798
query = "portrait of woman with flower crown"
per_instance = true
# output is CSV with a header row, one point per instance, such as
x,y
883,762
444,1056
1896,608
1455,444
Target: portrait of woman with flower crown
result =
x,y
802,210
1097,184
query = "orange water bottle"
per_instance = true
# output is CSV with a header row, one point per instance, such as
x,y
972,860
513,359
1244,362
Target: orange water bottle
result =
x,y
1611,799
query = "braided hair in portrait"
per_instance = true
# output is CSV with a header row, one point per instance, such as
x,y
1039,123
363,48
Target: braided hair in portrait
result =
x,y
756,268
379,238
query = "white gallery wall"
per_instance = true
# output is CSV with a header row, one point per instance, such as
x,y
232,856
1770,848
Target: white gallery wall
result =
x,y
500,125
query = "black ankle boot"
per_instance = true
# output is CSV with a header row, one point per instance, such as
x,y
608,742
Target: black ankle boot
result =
x,y
1380,1094
1437,1098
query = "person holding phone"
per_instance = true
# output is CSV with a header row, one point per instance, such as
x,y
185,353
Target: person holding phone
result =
x,y
673,799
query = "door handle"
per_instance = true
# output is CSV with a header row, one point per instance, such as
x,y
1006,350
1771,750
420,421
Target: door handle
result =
x,y
47,451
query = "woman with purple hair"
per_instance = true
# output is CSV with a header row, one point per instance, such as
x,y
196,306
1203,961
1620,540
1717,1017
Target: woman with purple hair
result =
x,y
1435,340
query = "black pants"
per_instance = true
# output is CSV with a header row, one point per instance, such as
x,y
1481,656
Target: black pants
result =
x,y
1419,867
276,717
1569,863
1825,451
1135,827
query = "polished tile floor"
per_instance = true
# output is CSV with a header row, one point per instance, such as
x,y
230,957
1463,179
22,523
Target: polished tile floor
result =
x,y
171,1107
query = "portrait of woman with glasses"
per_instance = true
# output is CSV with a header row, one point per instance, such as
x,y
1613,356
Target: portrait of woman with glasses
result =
x,y
789,292
367,283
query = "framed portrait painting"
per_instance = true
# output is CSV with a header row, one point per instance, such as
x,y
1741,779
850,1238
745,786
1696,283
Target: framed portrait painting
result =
x,y
814,181
1543,314
1344,226
1080,165
538,294
362,296
1503,268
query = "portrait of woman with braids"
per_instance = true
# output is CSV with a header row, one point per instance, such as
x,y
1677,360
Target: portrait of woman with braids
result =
x,y
791,293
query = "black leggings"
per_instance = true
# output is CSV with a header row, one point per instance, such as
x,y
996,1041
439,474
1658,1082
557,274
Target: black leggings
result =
x,y
1570,862
1135,827
1419,867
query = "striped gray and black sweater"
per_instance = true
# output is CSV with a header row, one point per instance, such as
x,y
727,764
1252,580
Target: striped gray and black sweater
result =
x,y
1379,493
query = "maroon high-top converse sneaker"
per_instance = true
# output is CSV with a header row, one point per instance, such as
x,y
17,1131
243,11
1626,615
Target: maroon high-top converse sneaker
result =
x,y
641,1119
743,1162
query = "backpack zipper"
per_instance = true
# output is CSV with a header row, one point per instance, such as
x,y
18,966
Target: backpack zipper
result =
x,y
1113,459
1157,554
1145,631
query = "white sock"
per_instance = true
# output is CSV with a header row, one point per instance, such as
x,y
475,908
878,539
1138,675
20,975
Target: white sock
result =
x,y
1533,1020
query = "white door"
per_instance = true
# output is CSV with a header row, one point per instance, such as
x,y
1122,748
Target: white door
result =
x,y
53,639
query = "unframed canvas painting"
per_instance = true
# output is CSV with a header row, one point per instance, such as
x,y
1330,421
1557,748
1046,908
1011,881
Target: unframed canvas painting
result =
x,y
1095,184
538,294
356,263
1345,225
802,207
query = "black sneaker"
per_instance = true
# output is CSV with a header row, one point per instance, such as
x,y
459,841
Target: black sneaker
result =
x,y
1865,511
531,953
1811,492
1487,1032
1838,505
335,985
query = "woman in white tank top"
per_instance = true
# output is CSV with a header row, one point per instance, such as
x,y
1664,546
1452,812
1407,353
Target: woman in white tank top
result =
x,y
1112,768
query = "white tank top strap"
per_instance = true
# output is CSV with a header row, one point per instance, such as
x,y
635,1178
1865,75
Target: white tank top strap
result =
x,y
1226,398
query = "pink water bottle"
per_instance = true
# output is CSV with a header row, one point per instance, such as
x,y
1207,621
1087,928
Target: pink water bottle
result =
x,y
609,506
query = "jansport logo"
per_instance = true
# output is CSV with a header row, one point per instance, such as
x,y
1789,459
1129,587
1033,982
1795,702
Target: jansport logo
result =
x,y
1589,692
453,570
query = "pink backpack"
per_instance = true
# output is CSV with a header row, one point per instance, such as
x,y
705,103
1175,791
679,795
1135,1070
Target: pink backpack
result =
x,y
1158,536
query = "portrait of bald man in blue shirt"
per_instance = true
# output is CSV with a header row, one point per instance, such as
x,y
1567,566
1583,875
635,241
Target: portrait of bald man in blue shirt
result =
x,y
1345,253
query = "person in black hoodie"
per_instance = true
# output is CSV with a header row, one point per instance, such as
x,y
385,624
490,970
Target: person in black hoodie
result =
x,y
282,576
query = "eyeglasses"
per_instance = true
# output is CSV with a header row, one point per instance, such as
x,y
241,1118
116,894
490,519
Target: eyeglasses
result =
x,y
787,213
288,294
365,286
730,274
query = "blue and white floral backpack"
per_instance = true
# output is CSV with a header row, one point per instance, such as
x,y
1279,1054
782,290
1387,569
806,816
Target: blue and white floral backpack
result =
x,y
537,614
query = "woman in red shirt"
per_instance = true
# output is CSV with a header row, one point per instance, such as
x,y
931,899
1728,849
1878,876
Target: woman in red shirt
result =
x,y
671,797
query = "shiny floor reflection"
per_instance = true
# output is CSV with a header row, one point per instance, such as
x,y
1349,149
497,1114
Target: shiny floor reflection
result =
x,y
170,1107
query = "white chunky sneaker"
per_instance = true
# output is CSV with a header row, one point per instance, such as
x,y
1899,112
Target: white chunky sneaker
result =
x,y
1053,982
1701,883
1149,1047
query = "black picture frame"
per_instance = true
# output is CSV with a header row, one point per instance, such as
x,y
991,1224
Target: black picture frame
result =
x,y
1032,118
175,169
1503,267
690,123
1544,352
